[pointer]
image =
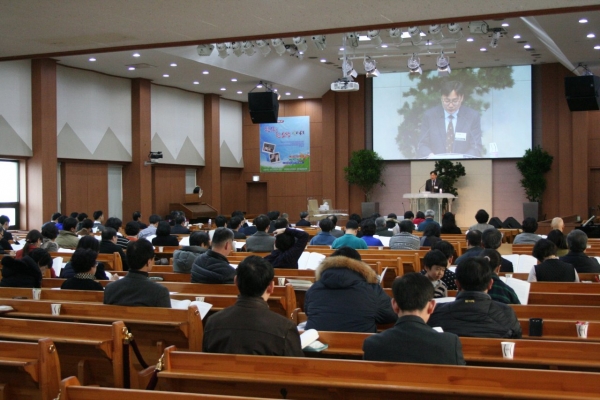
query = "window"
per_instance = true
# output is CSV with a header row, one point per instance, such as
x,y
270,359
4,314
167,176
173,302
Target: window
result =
x,y
9,195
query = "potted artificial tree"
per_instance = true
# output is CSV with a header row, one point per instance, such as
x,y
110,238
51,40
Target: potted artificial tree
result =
x,y
533,166
365,170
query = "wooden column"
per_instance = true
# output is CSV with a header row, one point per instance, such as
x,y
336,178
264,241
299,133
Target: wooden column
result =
x,y
210,177
137,178
42,198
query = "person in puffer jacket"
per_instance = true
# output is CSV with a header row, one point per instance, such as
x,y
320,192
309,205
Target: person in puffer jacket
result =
x,y
346,296
184,259
212,266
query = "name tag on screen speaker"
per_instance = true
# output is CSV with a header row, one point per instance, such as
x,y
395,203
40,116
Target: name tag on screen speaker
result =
x,y
462,136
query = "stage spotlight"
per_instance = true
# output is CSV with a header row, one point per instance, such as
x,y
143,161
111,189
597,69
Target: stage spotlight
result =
x,y
353,38
348,69
415,34
319,41
205,49
248,48
263,46
395,32
236,48
279,46
443,64
223,49
374,36
370,67
300,43
495,38
414,64
436,33
455,31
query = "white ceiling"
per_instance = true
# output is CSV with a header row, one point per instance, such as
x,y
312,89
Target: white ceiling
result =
x,y
32,28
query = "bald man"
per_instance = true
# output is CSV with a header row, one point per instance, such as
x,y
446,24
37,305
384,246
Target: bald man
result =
x,y
557,223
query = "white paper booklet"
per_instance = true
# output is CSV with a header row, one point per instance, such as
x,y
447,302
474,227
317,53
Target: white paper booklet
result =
x,y
203,307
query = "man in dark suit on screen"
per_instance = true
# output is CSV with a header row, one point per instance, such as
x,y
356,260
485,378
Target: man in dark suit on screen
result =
x,y
450,127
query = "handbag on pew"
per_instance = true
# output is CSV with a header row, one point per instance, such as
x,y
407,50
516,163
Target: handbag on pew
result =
x,y
129,340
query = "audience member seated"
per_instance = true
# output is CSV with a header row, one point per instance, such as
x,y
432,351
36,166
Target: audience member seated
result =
x,y
405,240
163,235
49,232
391,222
435,265
474,313
85,227
346,296
577,241
33,240
136,289
473,246
59,223
90,243
245,228
449,225
431,235
335,231
212,266
235,225
449,277
116,224
303,221
381,228
98,219
482,218
261,241
550,268
560,241
273,216
109,245
5,223
289,245
429,215
492,239
557,223
132,230
184,259
179,228
80,218
137,217
249,327
411,339
500,291
324,238
53,219
67,239
84,264
220,222
528,236
419,218
26,272
150,230
368,229
349,239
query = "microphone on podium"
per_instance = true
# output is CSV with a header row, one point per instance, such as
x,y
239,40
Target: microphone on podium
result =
x,y
422,186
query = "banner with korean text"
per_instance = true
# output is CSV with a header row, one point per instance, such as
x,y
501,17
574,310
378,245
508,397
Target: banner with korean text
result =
x,y
285,145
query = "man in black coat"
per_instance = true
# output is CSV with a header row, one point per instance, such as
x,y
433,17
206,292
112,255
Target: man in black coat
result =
x,y
577,242
411,340
212,266
109,245
249,327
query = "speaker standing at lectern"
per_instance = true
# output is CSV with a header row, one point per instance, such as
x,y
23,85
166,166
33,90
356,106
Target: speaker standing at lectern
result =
x,y
435,184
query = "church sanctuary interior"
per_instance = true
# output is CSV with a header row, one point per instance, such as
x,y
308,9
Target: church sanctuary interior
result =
x,y
149,108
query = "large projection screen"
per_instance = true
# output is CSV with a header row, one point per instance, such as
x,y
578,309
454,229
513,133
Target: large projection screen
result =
x,y
490,119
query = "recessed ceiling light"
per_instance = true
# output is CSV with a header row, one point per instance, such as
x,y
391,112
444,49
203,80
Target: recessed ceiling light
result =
x,y
483,49
287,93
92,59
341,49
517,36
274,90
300,97
384,46
131,68
323,60
239,92
223,88
596,47
527,46
136,54
165,75
591,35
505,24
233,79
205,72
428,43
583,21
173,65
196,83
470,39
259,86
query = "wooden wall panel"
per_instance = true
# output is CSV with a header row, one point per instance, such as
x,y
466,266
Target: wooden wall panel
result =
x,y
84,187
356,140
168,186
328,140
233,191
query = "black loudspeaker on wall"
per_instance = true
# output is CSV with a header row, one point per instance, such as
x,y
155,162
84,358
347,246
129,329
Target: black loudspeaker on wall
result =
x,y
264,107
583,92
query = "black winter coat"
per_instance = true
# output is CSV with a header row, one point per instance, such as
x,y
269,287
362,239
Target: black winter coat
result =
x,y
21,273
212,267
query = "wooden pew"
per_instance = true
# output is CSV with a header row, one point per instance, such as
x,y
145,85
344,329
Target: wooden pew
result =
x,y
92,352
52,294
71,389
112,262
566,313
29,371
563,287
561,330
302,378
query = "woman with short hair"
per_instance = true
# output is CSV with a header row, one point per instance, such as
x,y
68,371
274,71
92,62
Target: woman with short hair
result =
x,y
84,264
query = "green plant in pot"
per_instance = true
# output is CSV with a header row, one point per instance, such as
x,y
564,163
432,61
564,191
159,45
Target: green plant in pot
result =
x,y
450,173
365,170
536,162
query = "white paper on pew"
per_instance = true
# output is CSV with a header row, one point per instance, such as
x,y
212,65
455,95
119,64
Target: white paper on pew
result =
x,y
234,266
303,260
526,262
314,259
61,250
308,337
514,259
185,241
452,268
520,287
384,239
57,265
203,307
444,300
238,245
438,329
17,247
300,284
149,238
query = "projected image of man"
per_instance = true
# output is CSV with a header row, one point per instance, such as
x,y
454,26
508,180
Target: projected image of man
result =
x,y
450,127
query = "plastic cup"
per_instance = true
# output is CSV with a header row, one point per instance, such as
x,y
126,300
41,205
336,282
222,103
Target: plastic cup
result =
x,y
508,276
582,329
55,309
37,294
380,247
281,281
199,298
161,249
508,349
